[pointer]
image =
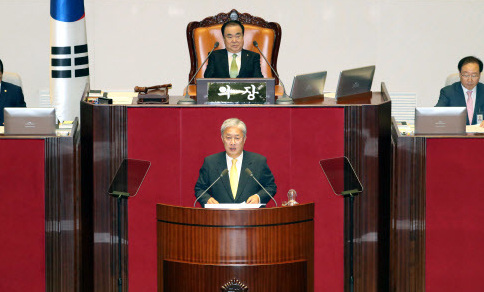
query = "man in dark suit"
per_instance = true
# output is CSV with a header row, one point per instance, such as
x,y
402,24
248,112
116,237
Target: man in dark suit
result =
x,y
237,186
233,61
468,92
10,95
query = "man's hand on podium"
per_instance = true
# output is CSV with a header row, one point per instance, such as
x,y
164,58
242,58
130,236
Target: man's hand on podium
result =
x,y
212,201
253,199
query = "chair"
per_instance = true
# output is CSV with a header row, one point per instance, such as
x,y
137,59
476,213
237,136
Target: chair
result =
x,y
201,36
13,78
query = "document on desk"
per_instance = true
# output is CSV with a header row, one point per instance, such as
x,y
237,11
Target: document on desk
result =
x,y
2,130
233,206
122,97
474,129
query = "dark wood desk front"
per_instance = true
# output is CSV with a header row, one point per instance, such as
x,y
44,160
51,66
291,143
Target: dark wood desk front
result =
x,y
268,249
293,138
436,216
40,213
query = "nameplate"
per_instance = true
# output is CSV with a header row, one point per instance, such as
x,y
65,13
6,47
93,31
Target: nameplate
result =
x,y
238,93
235,91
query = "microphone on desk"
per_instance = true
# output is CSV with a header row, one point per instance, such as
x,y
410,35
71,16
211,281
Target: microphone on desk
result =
x,y
249,172
224,172
285,99
187,99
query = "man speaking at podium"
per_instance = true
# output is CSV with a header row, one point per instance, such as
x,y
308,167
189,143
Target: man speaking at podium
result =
x,y
237,186
233,61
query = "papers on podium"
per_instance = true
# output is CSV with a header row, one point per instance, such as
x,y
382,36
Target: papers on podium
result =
x,y
474,129
233,206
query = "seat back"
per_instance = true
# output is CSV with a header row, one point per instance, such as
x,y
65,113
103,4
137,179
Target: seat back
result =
x,y
13,78
201,37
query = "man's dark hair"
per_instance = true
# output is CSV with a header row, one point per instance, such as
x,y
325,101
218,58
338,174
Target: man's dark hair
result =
x,y
232,23
1,66
469,59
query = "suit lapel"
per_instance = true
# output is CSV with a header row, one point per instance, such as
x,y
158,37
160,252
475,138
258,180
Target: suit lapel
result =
x,y
225,63
222,164
3,95
460,93
479,108
244,56
461,99
244,177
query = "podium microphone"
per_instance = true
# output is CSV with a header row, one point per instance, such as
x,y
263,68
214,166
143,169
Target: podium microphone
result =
x,y
284,99
224,172
187,99
249,172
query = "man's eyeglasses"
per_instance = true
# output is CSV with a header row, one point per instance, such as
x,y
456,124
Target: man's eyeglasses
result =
x,y
473,76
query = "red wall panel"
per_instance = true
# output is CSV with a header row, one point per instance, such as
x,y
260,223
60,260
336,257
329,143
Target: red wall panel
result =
x,y
22,215
176,140
454,215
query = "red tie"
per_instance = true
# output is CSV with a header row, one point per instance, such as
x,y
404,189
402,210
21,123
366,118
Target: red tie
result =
x,y
470,106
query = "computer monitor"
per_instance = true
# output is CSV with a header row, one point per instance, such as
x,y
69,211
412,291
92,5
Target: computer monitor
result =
x,y
306,85
29,121
355,81
440,120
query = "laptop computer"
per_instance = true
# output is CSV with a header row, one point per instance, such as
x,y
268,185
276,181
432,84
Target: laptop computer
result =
x,y
355,81
440,120
29,121
306,85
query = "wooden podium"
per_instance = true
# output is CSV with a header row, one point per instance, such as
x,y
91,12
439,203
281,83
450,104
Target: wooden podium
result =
x,y
269,249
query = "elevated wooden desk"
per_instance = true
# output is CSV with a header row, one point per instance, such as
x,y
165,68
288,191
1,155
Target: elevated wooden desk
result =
x,y
268,249
293,138
436,215
40,213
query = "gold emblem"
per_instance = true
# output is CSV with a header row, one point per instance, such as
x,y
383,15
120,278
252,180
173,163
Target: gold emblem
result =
x,y
234,286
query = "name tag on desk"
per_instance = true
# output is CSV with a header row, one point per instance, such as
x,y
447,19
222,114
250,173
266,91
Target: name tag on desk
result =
x,y
239,93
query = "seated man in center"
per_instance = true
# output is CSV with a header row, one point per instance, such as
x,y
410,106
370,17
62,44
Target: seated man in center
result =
x,y
233,61
237,186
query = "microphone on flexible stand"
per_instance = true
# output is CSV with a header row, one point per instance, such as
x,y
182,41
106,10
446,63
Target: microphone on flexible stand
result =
x,y
187,99
249,172
224,172
285,99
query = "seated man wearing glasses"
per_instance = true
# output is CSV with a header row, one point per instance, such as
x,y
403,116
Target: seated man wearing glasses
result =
x,y
233,61
468,92
236,186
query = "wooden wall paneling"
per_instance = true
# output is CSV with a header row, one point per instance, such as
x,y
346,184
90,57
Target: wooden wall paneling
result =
x,y
62,212
104,147
407,235
367,146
